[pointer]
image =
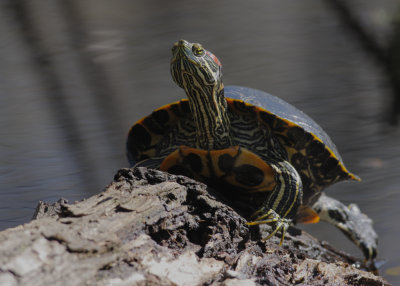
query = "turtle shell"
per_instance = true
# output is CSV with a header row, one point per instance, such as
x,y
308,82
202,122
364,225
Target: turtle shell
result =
x,y
301,141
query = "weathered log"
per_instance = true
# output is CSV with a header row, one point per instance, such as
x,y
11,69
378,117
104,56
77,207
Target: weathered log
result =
x,y
152,228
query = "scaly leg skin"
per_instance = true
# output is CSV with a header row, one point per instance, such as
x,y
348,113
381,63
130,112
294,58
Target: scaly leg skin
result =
x,y
284,201
351,221
271,217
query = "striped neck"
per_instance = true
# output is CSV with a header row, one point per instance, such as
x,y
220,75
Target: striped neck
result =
x,y
209,109
198,72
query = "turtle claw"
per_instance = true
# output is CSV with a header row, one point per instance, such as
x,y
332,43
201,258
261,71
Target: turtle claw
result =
x,y
271,217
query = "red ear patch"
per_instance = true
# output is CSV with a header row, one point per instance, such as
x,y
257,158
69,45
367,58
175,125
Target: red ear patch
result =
x,y
215,59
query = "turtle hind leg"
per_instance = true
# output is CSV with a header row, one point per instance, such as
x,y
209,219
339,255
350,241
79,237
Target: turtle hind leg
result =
x,y
351,221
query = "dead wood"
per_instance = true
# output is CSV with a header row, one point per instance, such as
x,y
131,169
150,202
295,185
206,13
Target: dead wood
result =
x,y
152,228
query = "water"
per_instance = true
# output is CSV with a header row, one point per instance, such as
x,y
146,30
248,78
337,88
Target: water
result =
x,y
67,140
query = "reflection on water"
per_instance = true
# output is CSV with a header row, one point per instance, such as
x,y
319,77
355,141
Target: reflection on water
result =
x,y
65,112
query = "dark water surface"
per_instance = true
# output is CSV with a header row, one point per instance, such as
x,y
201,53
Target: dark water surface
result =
x,y
69,141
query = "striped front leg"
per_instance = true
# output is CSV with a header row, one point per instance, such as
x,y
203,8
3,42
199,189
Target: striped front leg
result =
x,y
282,204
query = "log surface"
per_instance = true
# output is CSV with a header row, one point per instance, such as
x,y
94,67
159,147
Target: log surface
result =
x,y
152,228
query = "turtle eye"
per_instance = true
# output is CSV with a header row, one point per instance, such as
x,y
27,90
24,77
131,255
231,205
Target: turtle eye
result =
x,y
197,50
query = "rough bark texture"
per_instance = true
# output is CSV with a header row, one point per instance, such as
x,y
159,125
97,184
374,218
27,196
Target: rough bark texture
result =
x,y
151,228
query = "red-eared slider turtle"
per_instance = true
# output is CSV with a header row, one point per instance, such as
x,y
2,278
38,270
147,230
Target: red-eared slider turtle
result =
x,y
251,145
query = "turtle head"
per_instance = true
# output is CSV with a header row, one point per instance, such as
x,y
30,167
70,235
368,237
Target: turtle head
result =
x,y
192,66
198,72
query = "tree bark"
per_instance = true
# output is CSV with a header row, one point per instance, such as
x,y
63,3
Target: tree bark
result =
x,y
152,228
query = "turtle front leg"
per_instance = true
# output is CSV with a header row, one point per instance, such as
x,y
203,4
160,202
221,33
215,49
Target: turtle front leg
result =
x,y
283,202
351,221
271,217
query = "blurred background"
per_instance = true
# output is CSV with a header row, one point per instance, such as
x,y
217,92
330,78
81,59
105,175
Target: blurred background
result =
x,y
75,75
